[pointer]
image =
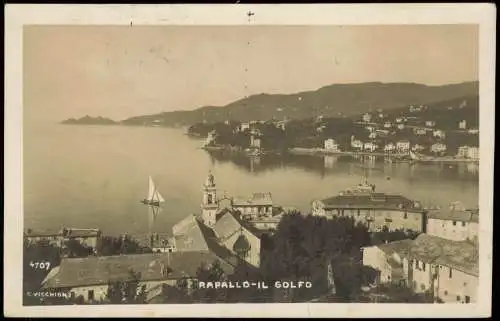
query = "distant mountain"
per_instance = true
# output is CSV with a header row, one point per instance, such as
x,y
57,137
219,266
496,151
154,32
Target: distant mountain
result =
x,y
330,101
87,120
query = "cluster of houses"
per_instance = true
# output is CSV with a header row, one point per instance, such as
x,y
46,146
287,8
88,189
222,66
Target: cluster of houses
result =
x,y
228,230
442,260
380,128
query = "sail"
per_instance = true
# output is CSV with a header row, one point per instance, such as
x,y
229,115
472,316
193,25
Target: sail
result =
x,y
157,197
152,189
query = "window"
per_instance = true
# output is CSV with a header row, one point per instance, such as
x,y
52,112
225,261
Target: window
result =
x,y
450,273
422,286
458,297
463,224
415,285
445,292
454,223
423,266
467,299
405,216
91,295
72,295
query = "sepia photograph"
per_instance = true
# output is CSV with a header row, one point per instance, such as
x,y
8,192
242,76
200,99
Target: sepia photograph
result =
x,y
190,162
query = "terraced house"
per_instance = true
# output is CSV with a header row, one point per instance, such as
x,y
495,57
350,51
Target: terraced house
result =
x,y
446,269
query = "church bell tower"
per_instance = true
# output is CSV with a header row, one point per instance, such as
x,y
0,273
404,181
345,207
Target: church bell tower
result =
x,y
209,205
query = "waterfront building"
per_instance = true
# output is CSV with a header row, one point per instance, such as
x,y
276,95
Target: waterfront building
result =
x,y
356,143
210,138
417,148
331,145
403,146
463,151
473,152
446,269
367,118
455,223
370,147
438,148
378,211
389,147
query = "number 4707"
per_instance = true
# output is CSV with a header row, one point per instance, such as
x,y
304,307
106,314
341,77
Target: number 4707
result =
x,y
40,265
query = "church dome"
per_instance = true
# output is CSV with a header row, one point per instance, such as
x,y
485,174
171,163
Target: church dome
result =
x,y
242,245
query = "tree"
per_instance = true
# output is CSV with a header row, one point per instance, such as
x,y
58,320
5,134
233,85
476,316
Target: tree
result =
x,y
76,249
210,273
302,246
35,253
126,291
109,245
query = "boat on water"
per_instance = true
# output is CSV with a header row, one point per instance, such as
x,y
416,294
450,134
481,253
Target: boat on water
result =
x,y
154,197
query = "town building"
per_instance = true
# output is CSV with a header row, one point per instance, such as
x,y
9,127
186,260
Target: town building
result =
x,y
401,126
356,143
367,118
370,147
473,152
430,123
387,260
417,148
462,151
89,277
88,237
378,211
446,269
399,120
243,127
372,135
370,128
331,145
439,134
259,204
456,223
387,124
210,140
403,146
389,147
438,148
462,124
473,131
420,131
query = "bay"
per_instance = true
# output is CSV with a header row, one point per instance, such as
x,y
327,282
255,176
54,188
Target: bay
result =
x,y
95,176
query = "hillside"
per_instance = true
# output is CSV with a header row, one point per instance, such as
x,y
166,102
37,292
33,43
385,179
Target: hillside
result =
x,y
87,120
334,100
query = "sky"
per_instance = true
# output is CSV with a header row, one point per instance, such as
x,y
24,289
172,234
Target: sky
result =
x,y
122,71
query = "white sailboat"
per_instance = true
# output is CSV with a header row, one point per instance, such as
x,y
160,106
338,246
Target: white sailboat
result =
x,y
154,197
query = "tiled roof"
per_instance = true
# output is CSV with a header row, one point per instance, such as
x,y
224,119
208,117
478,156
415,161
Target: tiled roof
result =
x,y
230,223
82,232
460,255
369,200
99,270
188,236
455,215
400,247
257,199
